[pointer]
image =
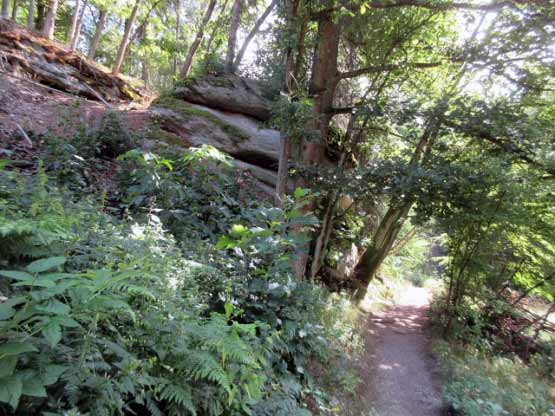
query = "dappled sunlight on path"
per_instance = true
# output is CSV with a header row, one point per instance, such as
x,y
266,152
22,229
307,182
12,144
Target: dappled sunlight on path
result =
x,y
402,381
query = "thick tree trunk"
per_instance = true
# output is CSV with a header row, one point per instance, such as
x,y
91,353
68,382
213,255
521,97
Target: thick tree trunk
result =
x,y
232,40
253,33
323,85
50,21
41,15
198,39
122,50
97,33
15,10
31,15
74,20
6,9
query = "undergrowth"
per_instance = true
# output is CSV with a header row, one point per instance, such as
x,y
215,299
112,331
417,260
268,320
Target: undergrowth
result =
x,y
484,384
170,292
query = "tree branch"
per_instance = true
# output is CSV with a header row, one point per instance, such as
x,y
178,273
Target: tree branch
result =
x,y
504,144
387,67
377,4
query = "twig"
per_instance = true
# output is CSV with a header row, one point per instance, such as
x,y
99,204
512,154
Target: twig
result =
x,y
26,140
97,95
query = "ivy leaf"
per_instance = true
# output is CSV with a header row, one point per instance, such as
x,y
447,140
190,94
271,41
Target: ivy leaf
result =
x,y
52,332
43,265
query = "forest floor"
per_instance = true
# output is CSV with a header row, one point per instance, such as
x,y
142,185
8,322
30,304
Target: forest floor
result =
x,y
400,373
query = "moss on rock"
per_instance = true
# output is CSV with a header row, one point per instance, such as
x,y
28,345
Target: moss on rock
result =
x,y
187,111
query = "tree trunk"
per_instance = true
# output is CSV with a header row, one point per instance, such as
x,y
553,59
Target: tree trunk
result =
x,y
74,20
31,15
122,50
77,34
283,170
97,33
253,33
50,20
41,15
198,39
178,7
221,14
232,40
285,149
382,241
6,9
15,9
301,46
398,246
323,85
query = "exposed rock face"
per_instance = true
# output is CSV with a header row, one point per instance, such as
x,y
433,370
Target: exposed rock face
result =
x,y
25,54
240,136
228,93
223,111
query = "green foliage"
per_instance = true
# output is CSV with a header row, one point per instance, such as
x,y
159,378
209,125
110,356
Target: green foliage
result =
x,y
205,325
479,384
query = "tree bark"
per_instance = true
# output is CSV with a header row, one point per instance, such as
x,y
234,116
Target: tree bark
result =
x,y
232,40
50,21
31,15
198,39
253,33
74,20
283,170
322,88
6,9
15,10
399,245
41,14
97,33
122,50
301,46
285,150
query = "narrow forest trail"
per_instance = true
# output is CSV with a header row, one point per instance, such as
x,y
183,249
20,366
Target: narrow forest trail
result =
x,y
400,366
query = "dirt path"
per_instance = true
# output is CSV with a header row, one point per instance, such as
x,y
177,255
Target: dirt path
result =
x,y
402,382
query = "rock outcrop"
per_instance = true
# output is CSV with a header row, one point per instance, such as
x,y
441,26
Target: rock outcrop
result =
x,y
46,89
27,55
226,92
240,136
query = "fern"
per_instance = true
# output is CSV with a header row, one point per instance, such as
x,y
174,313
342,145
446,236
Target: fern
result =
x,y
179,395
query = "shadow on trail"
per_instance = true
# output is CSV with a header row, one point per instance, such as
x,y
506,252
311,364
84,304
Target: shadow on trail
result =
x,y
402,378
